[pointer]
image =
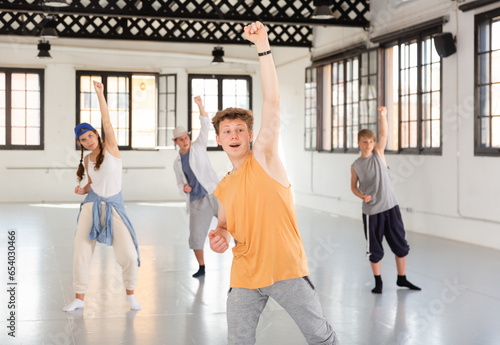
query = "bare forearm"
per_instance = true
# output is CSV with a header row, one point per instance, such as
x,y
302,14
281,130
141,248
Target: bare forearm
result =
x,y
224,233
268,75
103,107
203,112
357,192
383,128
87,188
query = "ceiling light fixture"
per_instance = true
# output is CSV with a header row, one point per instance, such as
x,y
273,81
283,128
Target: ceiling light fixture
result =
x,y
43,50
217,53
49,29
322,10
55,3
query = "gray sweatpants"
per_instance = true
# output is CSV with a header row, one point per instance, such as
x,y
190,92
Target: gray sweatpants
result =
x,y
201,212
297,296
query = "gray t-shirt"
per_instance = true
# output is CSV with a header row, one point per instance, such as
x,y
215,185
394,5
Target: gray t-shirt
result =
x,y
374,180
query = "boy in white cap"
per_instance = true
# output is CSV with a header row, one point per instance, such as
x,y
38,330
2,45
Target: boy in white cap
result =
x,y
197,180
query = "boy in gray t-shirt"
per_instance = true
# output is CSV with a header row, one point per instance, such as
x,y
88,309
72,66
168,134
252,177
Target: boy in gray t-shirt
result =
x,y
381,215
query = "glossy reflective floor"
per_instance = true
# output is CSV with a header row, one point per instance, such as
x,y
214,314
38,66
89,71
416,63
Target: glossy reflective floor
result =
x,y
459,303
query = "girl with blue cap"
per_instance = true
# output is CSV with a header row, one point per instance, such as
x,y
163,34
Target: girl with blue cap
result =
x,y
102,215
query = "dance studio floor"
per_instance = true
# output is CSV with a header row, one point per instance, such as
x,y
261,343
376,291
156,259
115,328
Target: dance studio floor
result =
x,y
459,303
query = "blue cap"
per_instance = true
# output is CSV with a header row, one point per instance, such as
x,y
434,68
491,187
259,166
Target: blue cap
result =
x,y
81,126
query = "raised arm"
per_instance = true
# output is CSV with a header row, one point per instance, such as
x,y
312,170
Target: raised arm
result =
x,y
382,132
110,143
204,122
266,145
267,140
199,103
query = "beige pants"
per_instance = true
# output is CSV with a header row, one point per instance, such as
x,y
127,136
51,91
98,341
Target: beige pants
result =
x,y
123,246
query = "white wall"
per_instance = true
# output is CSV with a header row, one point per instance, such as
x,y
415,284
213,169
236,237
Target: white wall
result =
x,y
453,195
49,175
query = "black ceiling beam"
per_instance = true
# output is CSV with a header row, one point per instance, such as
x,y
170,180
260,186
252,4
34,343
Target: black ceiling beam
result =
x,y
102,27
347,12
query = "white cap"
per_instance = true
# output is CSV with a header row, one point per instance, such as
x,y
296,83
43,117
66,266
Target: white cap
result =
x,y
179,131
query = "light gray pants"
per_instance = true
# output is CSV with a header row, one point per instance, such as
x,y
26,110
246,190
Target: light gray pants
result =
x,y
201,212
297,296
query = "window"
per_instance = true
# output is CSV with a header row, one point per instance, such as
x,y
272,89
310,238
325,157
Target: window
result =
x,y
338,102
21,109
132,103
487,107
368,114
217,92
325,104
413,95
347,99
345,103
311,117
167,113
352,102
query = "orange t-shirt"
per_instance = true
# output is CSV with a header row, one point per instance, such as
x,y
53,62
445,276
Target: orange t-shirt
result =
x,y
260,215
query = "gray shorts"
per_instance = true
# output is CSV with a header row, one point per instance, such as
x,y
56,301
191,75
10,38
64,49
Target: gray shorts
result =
x,y
201,212
297,296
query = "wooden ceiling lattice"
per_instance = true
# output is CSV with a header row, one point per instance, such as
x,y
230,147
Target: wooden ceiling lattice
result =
x,y
221,22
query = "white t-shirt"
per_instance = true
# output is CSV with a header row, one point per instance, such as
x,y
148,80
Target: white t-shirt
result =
x,y
107,180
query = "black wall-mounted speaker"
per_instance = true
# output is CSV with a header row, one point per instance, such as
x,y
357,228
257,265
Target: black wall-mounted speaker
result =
x,y
445,44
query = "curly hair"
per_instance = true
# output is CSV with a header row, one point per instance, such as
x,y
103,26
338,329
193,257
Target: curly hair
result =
x,y
232,114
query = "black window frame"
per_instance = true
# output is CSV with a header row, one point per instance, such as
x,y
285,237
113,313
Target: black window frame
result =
x,y
8,109
418,37
342,60
220,78
104,75
489,16
169,127
342,57
379,88
311,115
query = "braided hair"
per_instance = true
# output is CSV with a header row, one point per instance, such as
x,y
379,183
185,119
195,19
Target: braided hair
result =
x,y
80,173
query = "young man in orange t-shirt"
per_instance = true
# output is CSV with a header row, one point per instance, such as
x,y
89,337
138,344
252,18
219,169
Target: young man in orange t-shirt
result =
x,y
256,208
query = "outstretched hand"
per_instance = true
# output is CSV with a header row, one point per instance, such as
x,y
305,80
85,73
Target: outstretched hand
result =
x,y
99,88
217,243
256,32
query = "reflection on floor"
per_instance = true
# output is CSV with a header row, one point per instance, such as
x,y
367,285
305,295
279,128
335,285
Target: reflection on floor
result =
x,y
459,303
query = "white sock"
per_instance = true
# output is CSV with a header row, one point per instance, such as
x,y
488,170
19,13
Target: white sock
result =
x,y
133,302
77,303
